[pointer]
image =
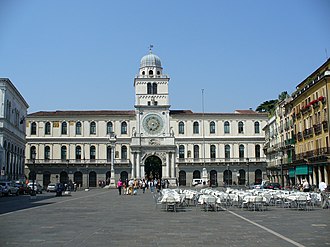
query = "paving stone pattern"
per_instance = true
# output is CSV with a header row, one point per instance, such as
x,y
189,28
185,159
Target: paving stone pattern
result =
x,y
101,217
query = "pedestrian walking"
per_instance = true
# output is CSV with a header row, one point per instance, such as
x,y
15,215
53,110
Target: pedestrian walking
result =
x,y
119,186
305,186
143,186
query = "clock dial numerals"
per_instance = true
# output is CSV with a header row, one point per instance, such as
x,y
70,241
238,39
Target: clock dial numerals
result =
x,y
153,124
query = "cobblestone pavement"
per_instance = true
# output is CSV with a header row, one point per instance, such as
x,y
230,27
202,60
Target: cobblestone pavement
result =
x,y
101,217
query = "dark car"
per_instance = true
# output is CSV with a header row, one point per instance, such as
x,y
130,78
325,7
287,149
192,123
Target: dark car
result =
x,y
274,186
22,188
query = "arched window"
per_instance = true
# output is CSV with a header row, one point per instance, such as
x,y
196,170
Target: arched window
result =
x,y
213,151
124,153
33,128
78,128
78,153
109,128
149,89
47,153
124,128
227,152
151,72
196,152
63,153
154,88
212,127
256,128
92,153
181,152
92,129
181,128
33,151
196,128
47,128
241,152
64,128
240,127
196,174
257,151
226,127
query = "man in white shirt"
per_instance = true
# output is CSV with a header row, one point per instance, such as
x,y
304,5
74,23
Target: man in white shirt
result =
x,y
322,186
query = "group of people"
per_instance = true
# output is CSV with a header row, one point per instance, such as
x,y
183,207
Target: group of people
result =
x,y
131,187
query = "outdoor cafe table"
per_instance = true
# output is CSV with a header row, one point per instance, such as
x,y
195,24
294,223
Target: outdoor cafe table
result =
x,y
209,201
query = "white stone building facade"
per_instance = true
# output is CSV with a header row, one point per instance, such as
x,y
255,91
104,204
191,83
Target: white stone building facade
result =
x,y
151,141
13,111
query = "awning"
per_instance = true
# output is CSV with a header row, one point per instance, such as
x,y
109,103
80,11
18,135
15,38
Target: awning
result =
x,y
304,170
292,172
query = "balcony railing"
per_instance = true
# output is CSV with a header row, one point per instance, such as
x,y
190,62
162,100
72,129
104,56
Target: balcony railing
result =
x,y
299,136
289,142
325,126
308,133
82,162
312,153
218,160
317,129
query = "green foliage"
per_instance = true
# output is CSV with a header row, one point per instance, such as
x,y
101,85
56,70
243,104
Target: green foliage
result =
x,y
267,106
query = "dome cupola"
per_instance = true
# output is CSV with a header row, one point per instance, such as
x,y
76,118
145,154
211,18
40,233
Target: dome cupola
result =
x,y
150,60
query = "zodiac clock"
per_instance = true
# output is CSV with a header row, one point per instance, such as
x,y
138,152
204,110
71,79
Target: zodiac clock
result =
x,y
153,124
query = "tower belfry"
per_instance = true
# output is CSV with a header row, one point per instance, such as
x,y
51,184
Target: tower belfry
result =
x,y
151,85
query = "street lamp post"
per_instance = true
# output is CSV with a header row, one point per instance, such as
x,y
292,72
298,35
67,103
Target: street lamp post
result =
x,y
112,140
281,159
87,176
248,173
228,175
67,171
33,156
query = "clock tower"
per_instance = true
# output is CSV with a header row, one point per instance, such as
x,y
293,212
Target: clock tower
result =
x,y
152,145
151,97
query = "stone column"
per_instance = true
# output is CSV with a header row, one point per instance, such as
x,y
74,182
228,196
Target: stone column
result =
x,y
320,173
325,175
172,166
133,165
167,165
314,175
138,175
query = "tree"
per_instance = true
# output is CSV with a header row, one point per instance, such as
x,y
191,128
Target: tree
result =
x,y
267,106
270,105
283,96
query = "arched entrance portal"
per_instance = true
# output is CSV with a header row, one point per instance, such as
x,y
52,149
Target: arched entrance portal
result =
x,y
153,167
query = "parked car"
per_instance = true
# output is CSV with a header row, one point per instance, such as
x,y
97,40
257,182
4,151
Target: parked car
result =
x,y
273,186
37,187
1,190
9,188
22,188
51,187
55,187
198,181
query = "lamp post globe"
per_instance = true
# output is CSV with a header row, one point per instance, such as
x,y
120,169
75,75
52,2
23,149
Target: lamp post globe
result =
x,y
248,171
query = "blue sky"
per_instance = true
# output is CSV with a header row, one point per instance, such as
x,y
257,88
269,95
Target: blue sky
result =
x,y
83,55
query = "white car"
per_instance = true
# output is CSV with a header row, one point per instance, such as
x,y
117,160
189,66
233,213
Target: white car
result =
x,y
51,187
197,181
9,188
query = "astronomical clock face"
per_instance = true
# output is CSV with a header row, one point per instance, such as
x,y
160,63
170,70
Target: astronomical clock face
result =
x,y
153,124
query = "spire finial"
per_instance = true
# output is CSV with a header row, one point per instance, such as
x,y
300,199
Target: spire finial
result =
x,y
150,48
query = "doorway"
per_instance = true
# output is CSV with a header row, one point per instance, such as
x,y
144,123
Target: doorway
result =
x,y
153,167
